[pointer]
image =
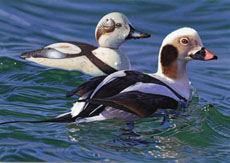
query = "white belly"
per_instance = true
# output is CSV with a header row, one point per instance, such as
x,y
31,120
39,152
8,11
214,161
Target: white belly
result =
x,y
81,63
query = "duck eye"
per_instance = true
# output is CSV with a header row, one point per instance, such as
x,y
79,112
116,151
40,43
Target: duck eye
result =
x,y
118,25
184,41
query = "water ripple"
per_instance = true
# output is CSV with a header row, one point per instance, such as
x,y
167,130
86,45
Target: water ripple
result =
x,y
32,92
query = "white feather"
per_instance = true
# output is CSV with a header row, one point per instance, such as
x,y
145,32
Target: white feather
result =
x,y
54,54
108,79
65,47
79,106
61,115
91,119
171,37
151,88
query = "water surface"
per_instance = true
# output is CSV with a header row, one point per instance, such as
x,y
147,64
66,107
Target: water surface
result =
x,y
32,92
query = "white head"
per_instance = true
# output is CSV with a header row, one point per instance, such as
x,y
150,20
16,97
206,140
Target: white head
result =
x,y
113,29
177,49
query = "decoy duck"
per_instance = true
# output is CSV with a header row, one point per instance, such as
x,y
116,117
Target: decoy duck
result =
x,y
112,30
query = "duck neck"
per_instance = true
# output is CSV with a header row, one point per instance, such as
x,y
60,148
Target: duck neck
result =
x,y
175,74
113,57
111,42
109,50
175,70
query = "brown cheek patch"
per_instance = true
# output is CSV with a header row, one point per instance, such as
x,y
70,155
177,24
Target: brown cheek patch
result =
x,y
100,32
168,57
105,28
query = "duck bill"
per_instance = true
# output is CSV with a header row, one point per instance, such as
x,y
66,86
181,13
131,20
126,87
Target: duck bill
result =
x,y
134,34
204,55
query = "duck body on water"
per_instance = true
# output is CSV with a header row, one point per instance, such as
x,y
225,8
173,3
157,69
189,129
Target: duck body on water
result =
x,y
112,30
130,95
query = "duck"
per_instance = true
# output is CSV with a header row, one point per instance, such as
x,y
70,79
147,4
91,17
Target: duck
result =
x,y
130,95
111,31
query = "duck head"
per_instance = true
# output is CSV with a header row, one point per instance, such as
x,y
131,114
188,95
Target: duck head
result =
x,y
177,49
114,28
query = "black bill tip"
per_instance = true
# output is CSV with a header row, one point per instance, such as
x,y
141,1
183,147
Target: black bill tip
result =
x,y
134,34
204,55
24,55
215,57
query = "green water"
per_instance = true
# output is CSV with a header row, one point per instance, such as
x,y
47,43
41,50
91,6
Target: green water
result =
x,y
32,92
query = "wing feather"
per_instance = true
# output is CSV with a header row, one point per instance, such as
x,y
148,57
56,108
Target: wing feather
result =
x,y
133,92
139,103
86,87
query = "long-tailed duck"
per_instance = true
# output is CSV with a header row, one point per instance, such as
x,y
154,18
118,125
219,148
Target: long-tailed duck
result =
x,y
111,31
131,95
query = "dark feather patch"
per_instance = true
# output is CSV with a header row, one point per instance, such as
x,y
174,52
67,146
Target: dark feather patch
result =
x,y
39,53
134,102
87,51
120,83
86,87
107,69
139,103
62,119
168,55
43,52
90,109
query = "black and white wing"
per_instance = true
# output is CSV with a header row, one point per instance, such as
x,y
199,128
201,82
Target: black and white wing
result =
x,y
133,92
86,87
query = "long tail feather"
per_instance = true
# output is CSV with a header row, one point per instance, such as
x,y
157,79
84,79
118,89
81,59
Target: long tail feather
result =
x,y
65,118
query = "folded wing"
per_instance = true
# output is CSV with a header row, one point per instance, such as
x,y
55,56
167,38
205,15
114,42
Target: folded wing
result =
x,y
130,91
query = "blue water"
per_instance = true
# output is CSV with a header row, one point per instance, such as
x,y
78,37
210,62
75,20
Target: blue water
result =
x,y
32,92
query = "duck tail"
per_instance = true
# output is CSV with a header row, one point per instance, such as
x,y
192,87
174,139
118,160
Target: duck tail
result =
x,y
63,118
